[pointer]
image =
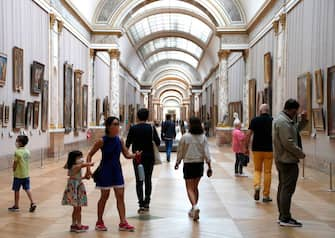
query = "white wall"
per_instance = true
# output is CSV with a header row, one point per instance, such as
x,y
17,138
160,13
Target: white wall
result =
x,y
25,25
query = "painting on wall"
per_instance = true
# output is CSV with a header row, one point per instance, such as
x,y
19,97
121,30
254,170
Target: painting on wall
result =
x,y
318,86
17,69
252,98
37,76
318,119
305,100
36,113
260,100
5,120
85,106
267,68
29,114
105,107
44,106
77,99
232,108
97,111
331,101
2,106
67,119
19,114
3,69
121,113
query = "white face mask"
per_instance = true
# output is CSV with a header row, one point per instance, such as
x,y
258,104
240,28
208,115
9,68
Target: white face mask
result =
x,y
79,161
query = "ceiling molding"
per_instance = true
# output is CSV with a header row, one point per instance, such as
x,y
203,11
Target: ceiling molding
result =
x,y
170,49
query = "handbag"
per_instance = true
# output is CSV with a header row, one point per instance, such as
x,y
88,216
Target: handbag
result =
x,y
156,150
245,160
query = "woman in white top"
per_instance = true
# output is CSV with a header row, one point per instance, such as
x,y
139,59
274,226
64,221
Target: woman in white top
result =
x,y
193,149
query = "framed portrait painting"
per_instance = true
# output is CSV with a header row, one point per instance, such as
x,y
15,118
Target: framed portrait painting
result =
x,y
17,69
2,106
318,119
318,86
3,69
85,106
105,107
305,100
29,114
260,100
331,101
68,75
5,120
37,77
252,99
19,114
44,106
267,68
36,114
77,99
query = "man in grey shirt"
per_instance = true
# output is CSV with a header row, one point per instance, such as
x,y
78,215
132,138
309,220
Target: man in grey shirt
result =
x,y
287,152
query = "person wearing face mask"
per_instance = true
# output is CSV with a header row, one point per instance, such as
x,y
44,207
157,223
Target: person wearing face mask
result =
x,y
287,152
109,173
75,192
21,173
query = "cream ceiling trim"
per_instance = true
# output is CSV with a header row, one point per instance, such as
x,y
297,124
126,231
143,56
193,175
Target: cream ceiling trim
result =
x,y
170,49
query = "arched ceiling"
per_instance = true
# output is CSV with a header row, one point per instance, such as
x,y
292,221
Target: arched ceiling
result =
x,y
166,33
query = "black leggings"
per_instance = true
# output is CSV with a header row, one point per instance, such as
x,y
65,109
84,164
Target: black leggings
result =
x,y
148,168
238,164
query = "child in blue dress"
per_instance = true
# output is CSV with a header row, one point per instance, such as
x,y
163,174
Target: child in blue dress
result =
x,y
75,192
109,173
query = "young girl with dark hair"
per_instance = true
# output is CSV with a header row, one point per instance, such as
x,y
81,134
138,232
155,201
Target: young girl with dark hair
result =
x,y
75,192
109,173
193,149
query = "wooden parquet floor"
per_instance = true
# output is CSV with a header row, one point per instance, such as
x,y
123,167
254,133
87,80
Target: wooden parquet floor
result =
x,y
226,203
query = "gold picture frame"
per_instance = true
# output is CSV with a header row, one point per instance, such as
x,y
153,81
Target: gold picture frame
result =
x,y
5,121
85,106
331,101
305,99
318,119
267,68
44,106
19,114
77,99
17,69
318,86
36,113
29,114
37,77
3,69
2,106
252,99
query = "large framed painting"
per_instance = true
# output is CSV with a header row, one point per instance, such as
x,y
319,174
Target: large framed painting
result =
x,y
2,106
318,119
67,103
77,99
318,86
305,100
260,101
331,101
85,106
105,107
19,114
37,77
29,114
44,106
3,69
5,120
232,108
17,69
36,116
267,68
97,111
252,99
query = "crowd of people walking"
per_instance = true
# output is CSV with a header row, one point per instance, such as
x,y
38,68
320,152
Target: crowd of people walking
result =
x,y
271,138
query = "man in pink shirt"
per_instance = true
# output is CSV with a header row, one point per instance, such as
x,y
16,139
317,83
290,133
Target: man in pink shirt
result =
x,y
238,138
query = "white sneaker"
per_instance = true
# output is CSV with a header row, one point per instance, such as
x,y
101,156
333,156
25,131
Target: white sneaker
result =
x,y
196,212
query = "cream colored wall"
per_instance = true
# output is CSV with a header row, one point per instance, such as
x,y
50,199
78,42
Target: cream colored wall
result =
x,y
236,76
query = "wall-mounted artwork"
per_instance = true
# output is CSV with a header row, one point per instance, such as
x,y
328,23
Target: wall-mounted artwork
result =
x,y
5,120
97,111
260,100
305,100
331,101
232,108
19,114
67,119
44,106
36,116
37,76
77,99
17,69
3,69
252,99
2,106
121,117
318,119
267,68
85,106
318,86
29,114
105,107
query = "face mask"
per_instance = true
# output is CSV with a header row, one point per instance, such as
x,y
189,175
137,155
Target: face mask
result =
x,y
79,161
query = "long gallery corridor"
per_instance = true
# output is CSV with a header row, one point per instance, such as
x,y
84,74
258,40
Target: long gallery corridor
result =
x,y
226,202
